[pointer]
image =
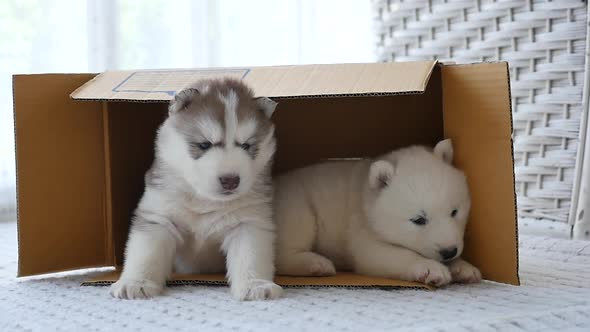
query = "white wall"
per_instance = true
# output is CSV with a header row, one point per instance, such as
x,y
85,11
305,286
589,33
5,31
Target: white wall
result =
x,y
39,36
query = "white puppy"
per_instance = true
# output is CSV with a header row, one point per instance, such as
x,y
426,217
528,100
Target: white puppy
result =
x,y
401,216
207,195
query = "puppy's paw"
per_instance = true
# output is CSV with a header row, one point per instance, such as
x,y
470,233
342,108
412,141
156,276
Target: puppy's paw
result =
x,y
321,266
255,289
431,272
464,272
131,289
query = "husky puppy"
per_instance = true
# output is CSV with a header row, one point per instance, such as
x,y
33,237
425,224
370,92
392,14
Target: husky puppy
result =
x,y
401,216
207,204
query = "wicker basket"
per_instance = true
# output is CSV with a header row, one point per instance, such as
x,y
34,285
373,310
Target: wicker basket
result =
x,y
545,44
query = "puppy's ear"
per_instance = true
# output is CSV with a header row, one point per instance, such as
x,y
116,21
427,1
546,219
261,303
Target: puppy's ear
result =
x,y
380,174
266,105
182,99
444,150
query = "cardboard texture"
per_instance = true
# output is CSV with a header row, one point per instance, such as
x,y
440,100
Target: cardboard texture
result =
x,y
81,164
281,81
343,279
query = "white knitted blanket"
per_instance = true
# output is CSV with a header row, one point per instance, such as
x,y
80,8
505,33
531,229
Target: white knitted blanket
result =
x,y
555,296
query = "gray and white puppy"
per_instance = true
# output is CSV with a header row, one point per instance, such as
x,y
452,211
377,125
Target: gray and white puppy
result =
x,y
207,201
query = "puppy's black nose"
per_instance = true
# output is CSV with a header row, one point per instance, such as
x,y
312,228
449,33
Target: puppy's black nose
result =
x,y
448,253
229,182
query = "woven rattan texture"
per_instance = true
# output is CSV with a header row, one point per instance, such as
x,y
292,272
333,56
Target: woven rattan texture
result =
x,y
544,42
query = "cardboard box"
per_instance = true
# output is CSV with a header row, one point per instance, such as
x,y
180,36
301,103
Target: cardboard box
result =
x,y
82,157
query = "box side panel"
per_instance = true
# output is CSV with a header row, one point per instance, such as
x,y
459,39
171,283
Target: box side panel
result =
x,y
132,131
312,130
477,118
60,167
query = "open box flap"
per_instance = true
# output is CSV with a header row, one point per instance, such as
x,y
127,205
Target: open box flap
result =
x,y
477,117
280,81
61,176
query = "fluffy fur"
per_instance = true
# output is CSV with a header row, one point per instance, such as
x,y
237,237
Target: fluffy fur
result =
x,y
401,216
207,201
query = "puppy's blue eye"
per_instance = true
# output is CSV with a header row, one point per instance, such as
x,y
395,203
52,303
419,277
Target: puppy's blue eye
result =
x,y
419,220
454,213
204,145
245,146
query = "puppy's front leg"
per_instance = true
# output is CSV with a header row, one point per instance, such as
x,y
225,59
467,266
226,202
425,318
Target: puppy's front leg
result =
x,y
464,272
250,263
148,261
376,258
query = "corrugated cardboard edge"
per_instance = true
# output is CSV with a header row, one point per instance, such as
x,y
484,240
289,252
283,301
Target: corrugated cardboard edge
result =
x,y
341,280
18,272
513,173
372,94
